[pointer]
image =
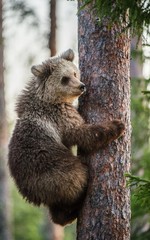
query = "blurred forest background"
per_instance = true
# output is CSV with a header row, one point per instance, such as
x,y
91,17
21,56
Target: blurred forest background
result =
x,y
31,31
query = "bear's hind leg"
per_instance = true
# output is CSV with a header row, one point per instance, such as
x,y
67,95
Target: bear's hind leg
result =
x,y
63,216
62,184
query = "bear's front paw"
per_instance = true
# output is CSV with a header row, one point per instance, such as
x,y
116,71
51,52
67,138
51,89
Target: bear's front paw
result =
x,y
118,127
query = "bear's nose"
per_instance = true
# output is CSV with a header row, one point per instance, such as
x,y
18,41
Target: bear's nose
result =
x,y
82,87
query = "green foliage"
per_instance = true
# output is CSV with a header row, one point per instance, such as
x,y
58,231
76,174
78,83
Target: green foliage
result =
x,y
138,12
146,92
138,54
141,190
140,123
144,236
70,232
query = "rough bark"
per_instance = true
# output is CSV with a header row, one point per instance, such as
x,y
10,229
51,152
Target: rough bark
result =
x,y
104,63
52,40
5,232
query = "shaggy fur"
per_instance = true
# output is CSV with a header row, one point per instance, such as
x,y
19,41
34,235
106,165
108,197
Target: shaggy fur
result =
x,y
40,158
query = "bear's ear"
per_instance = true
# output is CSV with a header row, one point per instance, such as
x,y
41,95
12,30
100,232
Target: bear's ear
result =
x,y
37,70
43,71
68,55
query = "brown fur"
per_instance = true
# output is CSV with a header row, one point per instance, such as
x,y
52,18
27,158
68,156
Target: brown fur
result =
x,y
40,159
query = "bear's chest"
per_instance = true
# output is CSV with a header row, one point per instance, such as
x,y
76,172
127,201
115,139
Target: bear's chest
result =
x,y
70,117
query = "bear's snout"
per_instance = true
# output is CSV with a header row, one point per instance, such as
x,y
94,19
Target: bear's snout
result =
x,y
82,87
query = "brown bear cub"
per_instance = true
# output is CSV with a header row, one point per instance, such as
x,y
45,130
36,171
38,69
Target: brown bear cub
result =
x,y
40,158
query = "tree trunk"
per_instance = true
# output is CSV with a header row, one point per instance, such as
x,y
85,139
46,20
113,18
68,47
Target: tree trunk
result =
x,y
52,39
5,233
136,68
104,55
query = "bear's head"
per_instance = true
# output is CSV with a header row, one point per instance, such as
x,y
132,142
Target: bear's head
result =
x,y
58,79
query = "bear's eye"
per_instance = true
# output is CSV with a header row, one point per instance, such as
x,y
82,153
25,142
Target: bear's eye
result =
x,y
65,80
75,74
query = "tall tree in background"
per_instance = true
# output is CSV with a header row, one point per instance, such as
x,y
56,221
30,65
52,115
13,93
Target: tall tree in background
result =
x,y
52,39
5,232
58,232
104,54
